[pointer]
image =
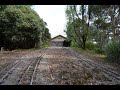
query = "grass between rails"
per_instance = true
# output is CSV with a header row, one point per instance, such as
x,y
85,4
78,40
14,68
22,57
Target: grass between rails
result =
x,y
101,58
91,54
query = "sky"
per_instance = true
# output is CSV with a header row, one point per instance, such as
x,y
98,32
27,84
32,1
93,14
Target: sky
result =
x,y
54,16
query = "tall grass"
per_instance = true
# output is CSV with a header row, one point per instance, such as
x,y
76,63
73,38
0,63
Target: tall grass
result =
x,y
90,45
112,51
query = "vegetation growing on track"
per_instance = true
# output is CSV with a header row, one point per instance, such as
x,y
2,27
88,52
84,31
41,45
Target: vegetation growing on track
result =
x,y
91,54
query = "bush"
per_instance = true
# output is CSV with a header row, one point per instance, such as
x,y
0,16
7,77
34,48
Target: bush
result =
x,y
99,50
90,45
112,51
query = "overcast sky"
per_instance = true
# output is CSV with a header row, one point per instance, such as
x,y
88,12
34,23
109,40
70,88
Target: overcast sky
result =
x,y
54,15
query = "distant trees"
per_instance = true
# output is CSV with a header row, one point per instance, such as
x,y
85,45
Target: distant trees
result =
x,y
78,23
99,24
106,20
94,23
21,27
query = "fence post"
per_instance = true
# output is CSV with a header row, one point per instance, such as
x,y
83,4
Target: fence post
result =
x,y
2,49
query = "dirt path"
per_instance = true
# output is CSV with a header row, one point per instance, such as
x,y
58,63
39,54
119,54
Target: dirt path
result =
x,y
54,66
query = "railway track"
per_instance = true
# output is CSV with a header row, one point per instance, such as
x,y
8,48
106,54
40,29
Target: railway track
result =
x,y
27,77
89,63
28,73
114,75
5,72
6,66
30,68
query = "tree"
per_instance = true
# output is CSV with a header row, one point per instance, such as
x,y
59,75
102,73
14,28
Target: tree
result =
x,y
104,19
2,7
111,13
80,26
20,27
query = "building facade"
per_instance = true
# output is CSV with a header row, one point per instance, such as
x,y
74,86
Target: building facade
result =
x,y
58,41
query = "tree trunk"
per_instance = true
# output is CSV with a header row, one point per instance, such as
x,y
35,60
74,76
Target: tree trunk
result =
x,y
113,24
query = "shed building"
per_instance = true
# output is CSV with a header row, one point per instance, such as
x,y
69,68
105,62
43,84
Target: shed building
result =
x,y
58,41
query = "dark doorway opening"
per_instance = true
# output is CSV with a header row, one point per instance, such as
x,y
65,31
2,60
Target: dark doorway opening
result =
x,y
66,43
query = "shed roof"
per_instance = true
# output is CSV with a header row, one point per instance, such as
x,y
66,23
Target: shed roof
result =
x,y
58,39
58,36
